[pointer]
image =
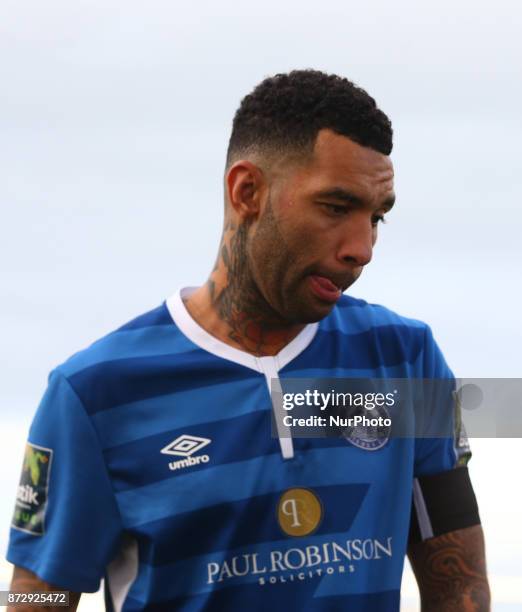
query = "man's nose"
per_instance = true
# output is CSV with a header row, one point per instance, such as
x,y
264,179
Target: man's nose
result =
x,y
357,243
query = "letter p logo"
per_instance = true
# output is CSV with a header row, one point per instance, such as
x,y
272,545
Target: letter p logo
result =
x,y
289,508
299,512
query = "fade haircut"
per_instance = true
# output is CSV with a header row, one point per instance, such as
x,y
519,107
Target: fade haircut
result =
x,y
284,113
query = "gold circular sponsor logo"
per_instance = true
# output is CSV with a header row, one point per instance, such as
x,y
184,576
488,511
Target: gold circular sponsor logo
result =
x,y
299,512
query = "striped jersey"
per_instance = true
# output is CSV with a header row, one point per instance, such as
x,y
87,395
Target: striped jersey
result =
x,y
150,463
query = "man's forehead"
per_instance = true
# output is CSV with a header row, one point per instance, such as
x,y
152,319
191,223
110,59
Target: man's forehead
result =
x,y
334,151
340,164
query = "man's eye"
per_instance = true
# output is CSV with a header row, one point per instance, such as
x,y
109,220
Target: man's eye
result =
x,y
336,209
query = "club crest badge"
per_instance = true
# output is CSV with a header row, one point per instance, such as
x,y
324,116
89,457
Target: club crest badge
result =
x,y
369,437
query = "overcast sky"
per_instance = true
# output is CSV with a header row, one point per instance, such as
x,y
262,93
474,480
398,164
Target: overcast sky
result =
x,y
114,119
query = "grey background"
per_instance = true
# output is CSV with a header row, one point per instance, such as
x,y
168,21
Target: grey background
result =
x,y
114,119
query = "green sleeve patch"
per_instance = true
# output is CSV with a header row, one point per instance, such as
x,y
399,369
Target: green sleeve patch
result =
x,y
31,498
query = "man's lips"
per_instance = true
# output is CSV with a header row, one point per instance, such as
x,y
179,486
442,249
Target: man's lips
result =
x,y
324,288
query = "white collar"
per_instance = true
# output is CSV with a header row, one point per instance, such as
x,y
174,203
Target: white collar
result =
x,y
206,341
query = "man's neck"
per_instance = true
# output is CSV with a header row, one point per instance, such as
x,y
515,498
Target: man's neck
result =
x,y
227,313
230,306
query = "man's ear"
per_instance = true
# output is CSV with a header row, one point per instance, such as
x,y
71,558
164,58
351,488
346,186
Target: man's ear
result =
x,y
245,184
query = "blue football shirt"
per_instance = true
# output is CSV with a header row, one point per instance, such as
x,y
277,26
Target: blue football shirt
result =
x,y
150,463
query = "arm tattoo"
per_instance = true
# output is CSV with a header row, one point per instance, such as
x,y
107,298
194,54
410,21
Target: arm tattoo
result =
x,y
451,572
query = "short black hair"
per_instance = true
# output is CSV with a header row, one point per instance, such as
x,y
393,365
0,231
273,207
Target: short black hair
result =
x,y
285,112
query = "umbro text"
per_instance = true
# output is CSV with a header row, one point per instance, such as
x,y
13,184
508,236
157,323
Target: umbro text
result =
x,y
188,462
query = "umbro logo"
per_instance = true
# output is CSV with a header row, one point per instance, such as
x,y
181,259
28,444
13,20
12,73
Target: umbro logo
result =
x,y
186,446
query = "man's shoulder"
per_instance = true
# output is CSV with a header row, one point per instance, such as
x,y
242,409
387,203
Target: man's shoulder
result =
x,y
359,315
374,335
146,336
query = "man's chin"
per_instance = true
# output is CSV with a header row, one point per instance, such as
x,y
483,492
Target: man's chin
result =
x,y
305,313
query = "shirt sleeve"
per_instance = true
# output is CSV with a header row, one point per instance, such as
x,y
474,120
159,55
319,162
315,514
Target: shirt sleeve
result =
x,y
443,444
66,525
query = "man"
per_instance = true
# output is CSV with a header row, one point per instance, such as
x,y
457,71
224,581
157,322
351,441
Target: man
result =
x,y
153,463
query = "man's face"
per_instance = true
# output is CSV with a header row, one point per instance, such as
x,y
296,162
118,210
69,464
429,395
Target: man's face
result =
x,y
318,227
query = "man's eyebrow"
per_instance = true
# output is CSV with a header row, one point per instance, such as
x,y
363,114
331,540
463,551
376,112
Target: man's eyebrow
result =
x,y
340,194
337,193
